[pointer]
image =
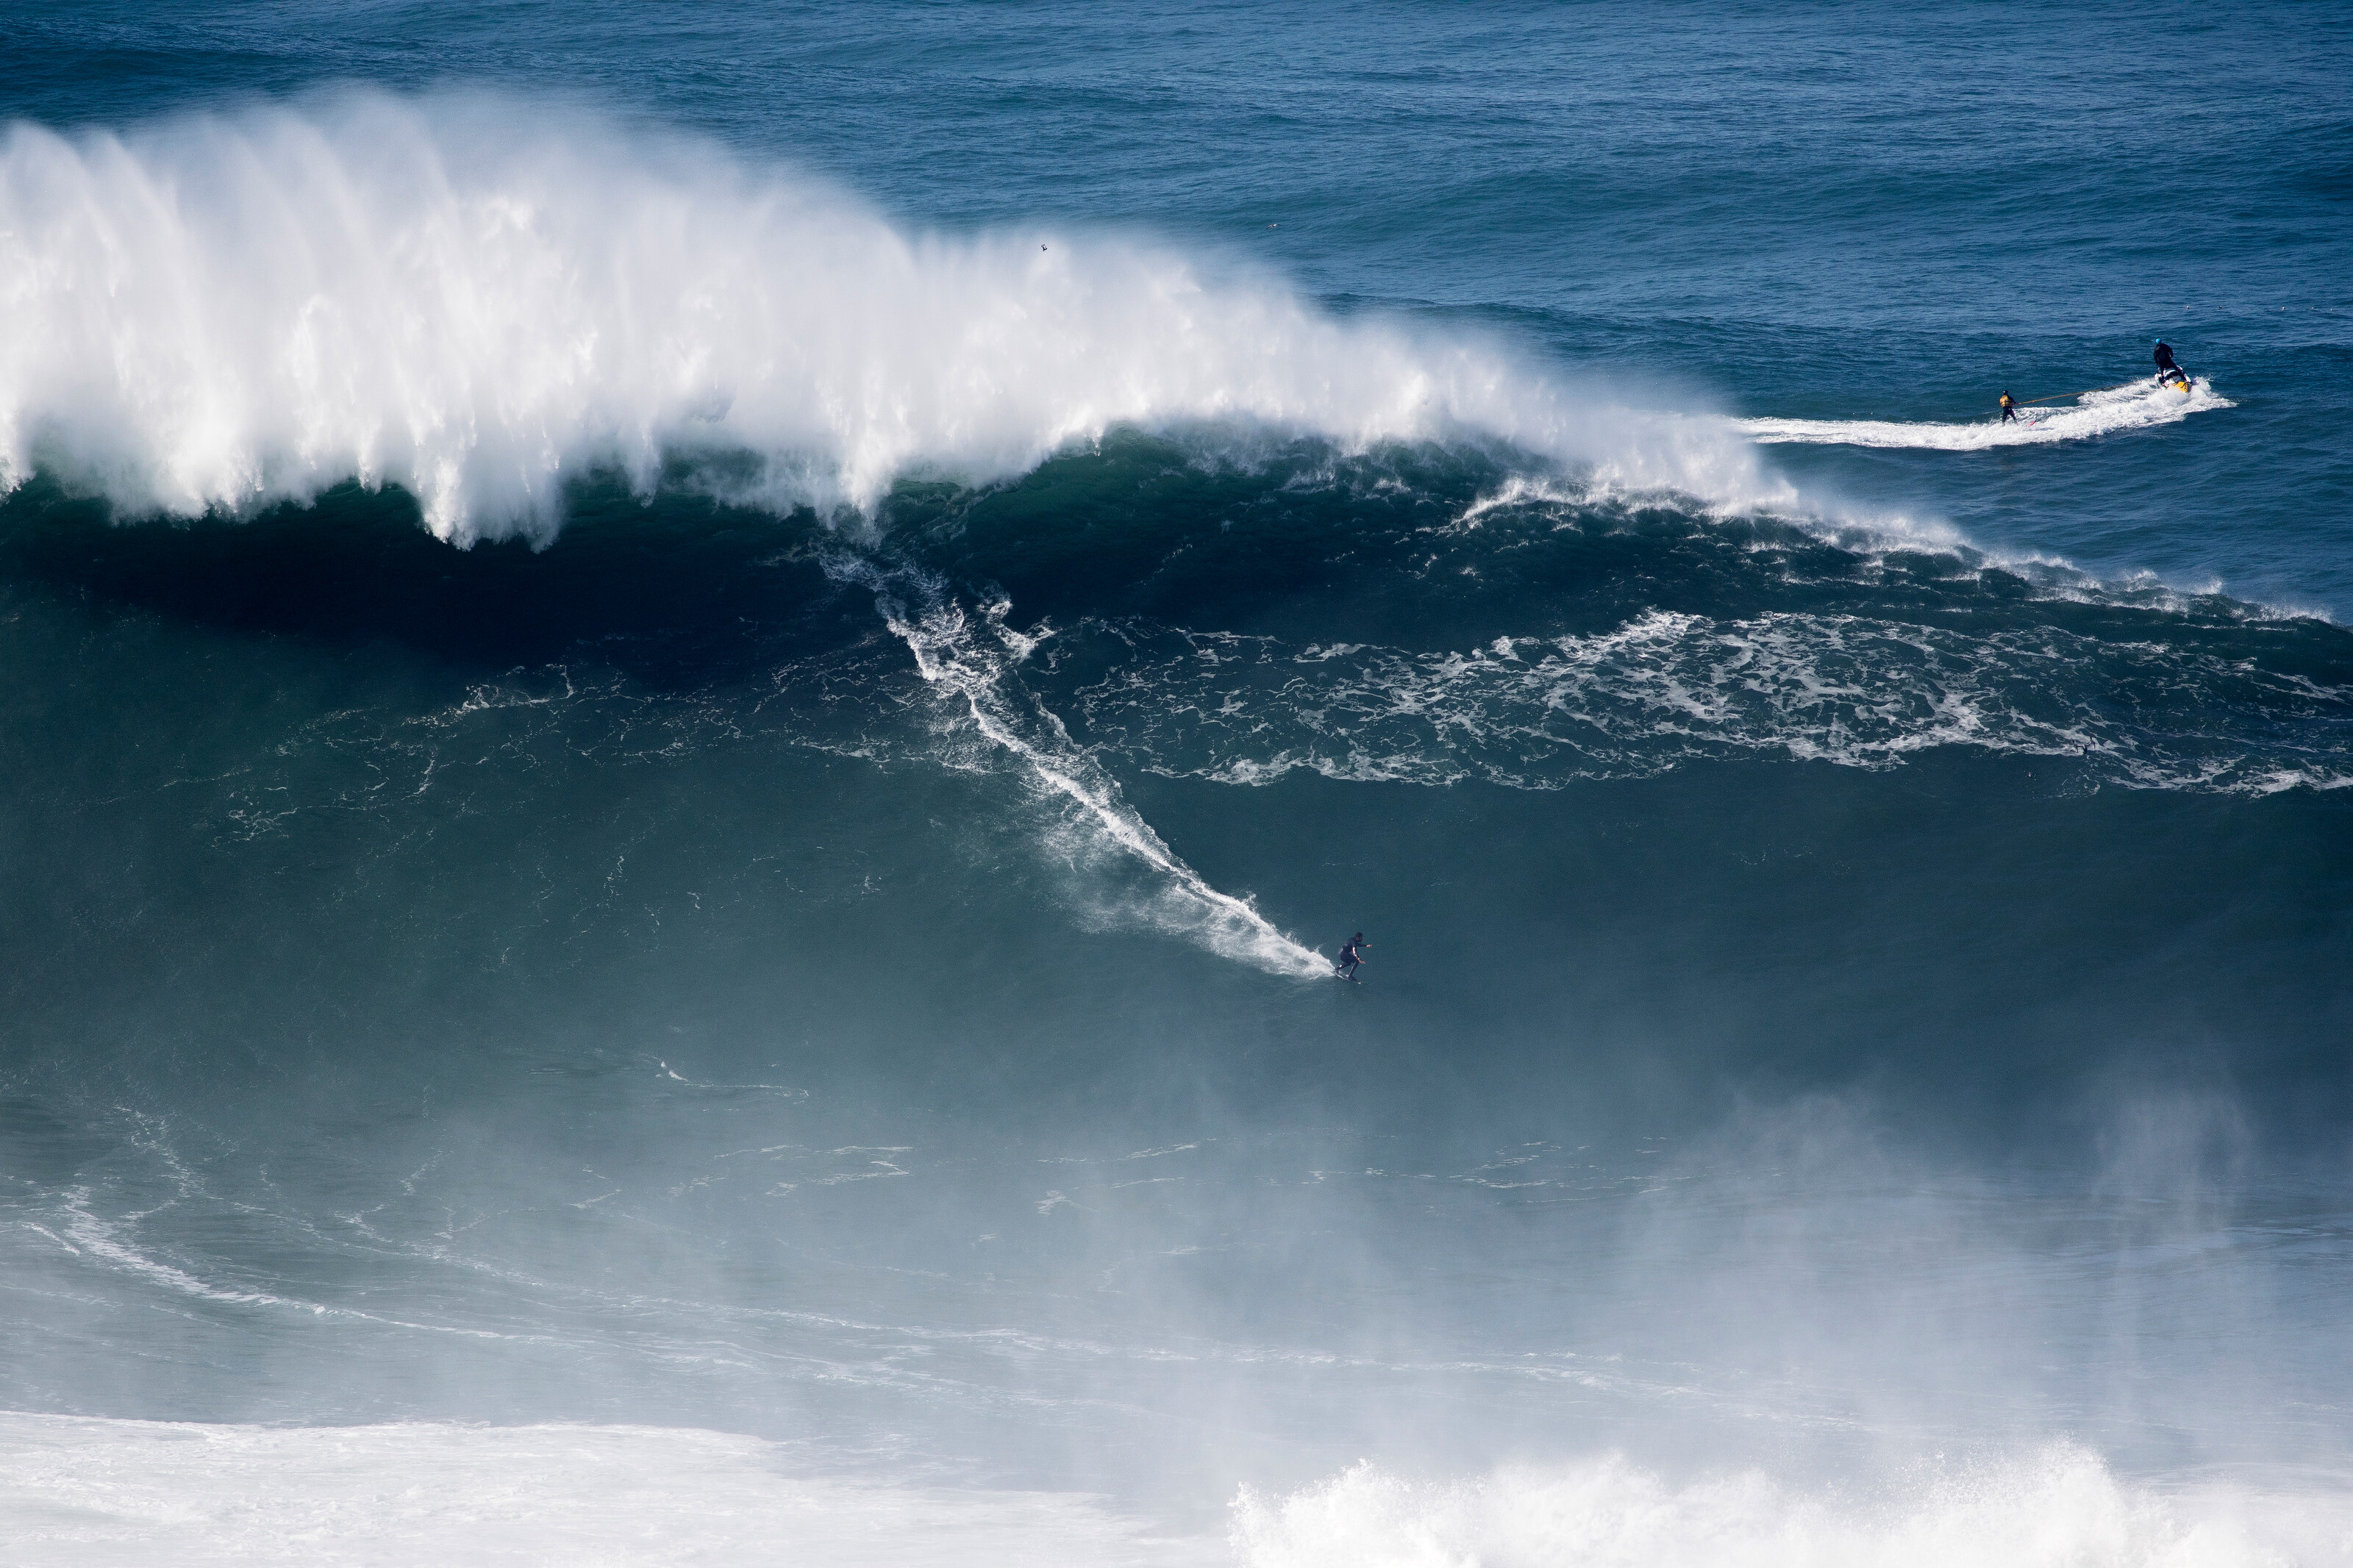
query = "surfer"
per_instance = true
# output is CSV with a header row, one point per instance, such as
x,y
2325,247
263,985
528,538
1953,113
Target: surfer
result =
x,y
2008,408
2166,369
1352,955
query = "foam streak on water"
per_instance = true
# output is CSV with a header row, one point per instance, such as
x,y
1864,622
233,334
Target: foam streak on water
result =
x,y
1666,689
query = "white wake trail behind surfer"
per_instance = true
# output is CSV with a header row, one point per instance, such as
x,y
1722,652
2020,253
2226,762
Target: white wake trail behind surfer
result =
x,y
952,657
2171,397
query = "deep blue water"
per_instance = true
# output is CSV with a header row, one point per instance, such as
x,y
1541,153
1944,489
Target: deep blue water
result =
x,y
694,696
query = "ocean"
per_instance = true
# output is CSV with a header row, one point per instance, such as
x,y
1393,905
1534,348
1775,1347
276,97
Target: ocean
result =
x,y
696,695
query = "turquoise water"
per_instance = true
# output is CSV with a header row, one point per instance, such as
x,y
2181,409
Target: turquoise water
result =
x,y
695,697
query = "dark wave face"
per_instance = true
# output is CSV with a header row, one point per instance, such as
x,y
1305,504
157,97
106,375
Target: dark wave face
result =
x,y
674,840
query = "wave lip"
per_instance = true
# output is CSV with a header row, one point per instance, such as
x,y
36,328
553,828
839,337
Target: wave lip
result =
x,y
2138,405
477,300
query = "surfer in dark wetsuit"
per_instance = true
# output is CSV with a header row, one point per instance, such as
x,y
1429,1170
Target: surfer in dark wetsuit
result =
x,y
1351,955
2166,369
2008,408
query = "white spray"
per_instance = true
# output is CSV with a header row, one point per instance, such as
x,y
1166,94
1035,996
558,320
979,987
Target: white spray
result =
x,y
477,298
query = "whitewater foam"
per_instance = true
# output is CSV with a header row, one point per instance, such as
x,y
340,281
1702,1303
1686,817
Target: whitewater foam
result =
x,y
2059,1509
1666,689
480,300
2138,406
96,1492
92,1492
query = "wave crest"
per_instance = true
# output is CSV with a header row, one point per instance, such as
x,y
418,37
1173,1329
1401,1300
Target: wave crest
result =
x,y
475,300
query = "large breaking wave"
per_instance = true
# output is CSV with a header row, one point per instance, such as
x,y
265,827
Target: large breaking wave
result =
x,y
485,303
478,300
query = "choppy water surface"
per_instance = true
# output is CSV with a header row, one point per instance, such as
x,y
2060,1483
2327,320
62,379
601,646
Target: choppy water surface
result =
x,y
694,699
